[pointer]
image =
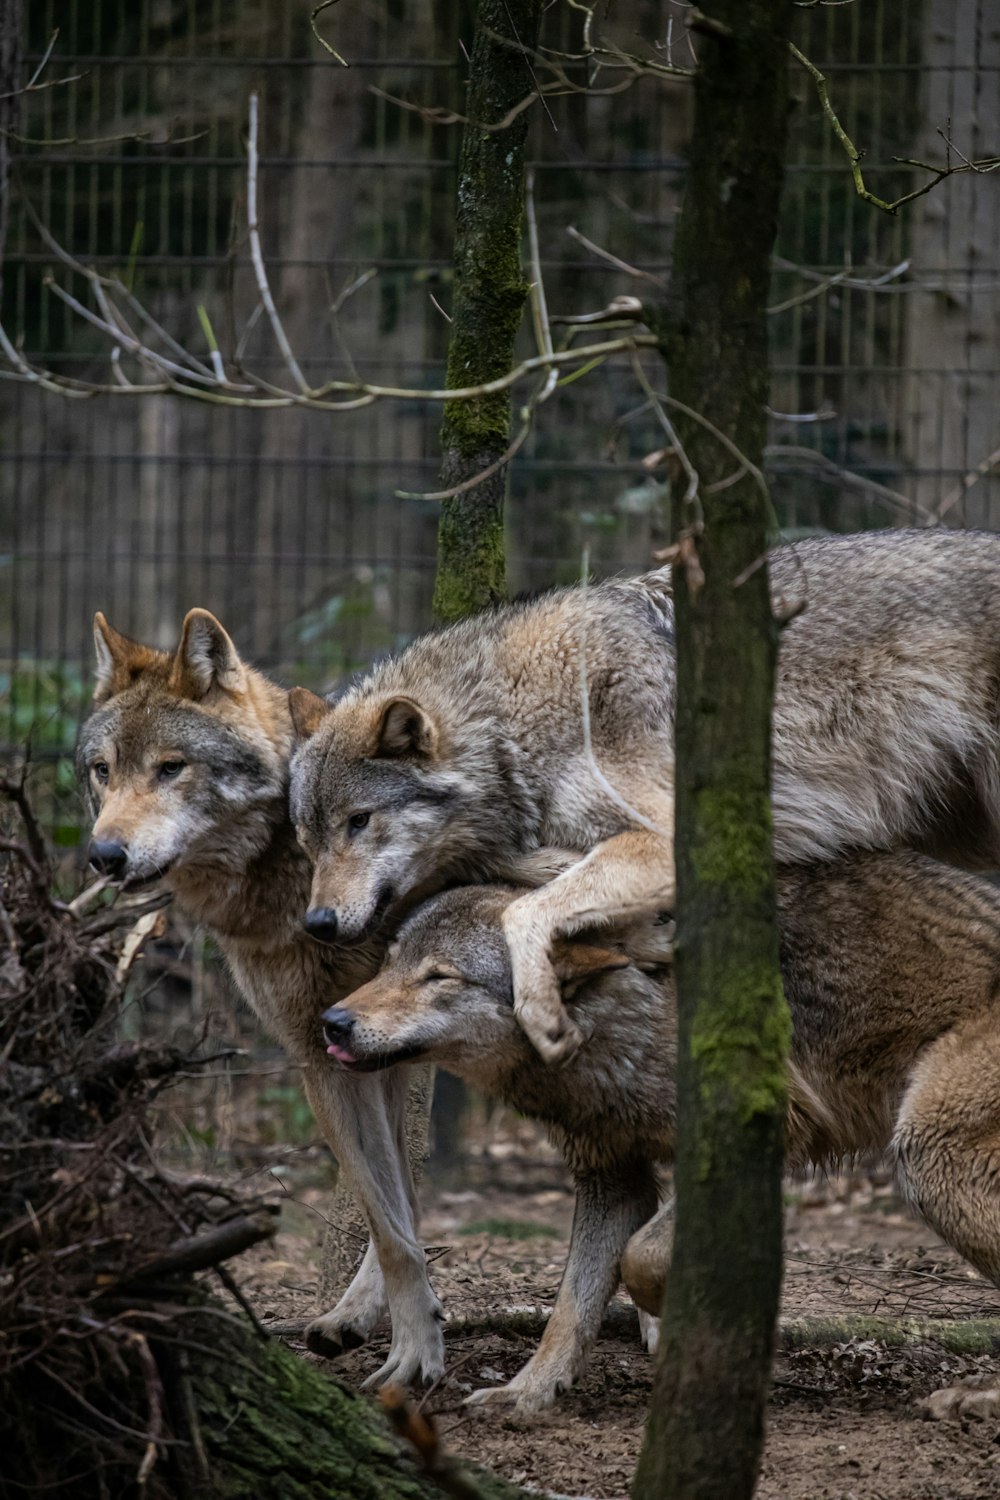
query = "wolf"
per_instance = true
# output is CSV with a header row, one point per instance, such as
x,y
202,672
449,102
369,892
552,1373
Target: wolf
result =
x,y
184,761
550,722
891,965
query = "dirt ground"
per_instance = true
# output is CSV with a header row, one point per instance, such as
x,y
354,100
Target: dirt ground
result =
x,y
844,1421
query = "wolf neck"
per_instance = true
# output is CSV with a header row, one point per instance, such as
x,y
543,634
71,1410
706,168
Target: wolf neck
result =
x,y
255,891
253,908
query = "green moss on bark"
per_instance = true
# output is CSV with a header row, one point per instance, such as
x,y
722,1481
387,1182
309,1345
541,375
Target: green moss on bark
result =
x,y
490,291
706,1426
274,1427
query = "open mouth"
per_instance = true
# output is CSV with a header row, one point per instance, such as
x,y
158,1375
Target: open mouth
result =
x,y
133,883
376,1062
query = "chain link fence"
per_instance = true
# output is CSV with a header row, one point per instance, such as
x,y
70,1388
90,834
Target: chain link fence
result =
x,y
292,525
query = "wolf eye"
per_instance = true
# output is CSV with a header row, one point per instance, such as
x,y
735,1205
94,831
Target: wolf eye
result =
x,y
357,821
435,975
101,770
171,768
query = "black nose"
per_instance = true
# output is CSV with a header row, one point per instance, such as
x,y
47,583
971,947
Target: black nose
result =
x,y
321,923
109,857
337,1024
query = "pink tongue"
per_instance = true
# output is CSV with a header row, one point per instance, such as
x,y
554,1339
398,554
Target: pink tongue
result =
x,y
340,1053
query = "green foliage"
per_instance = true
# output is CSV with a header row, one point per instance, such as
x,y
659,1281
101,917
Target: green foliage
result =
x,y
512,1229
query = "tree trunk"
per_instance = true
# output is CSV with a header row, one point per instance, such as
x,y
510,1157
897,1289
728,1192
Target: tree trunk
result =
x,y
705,1431
490,290
11,29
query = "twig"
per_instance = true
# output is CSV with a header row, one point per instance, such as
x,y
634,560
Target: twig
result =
x,y
204,1252
539,306
232,1287
621,265
256,255
963,487
855,157
318,10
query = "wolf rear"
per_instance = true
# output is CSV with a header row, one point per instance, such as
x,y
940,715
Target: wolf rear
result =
x,y
891,965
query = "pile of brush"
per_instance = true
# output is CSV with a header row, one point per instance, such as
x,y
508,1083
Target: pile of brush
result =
x,y
98,1245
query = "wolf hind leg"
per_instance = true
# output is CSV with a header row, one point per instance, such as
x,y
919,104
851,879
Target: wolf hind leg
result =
x,y
646,1261
947,1141
610,1205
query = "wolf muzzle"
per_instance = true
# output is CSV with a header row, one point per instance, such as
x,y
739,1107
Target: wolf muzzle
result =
x,y
108,857
321,923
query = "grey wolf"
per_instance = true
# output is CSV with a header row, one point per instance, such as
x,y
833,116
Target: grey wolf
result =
x,y
184,760
465,756
891,965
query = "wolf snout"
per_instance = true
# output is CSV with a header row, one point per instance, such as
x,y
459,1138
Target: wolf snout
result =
x,y
338,1024
108,857
321,923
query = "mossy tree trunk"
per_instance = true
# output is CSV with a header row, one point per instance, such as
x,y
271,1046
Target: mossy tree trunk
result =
x,y
705,1430
11,82
270,1425
490,292
487,306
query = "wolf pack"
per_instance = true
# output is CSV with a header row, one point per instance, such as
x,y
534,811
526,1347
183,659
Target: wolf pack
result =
x,y
467,859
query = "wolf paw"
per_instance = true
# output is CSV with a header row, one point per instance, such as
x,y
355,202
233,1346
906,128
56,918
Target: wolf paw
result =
x,y
527,1398
330,1336
411,1362
556,1039
649,1331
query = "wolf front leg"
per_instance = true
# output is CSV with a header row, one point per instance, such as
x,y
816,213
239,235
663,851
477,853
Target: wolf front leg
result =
x,y
626,877
361,1118
610,1206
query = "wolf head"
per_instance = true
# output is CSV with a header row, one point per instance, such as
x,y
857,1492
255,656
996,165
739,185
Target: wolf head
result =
x,y
185,755
383,805
444,992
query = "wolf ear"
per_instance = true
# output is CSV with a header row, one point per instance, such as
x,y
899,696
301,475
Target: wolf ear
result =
x,y
206,658
404,729
117,659
575,962
308,711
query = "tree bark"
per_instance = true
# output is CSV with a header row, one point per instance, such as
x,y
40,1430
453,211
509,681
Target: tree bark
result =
x,y
705,1430
490,291
11,81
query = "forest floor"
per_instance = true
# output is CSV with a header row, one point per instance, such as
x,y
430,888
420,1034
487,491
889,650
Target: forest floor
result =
x,y
845,1421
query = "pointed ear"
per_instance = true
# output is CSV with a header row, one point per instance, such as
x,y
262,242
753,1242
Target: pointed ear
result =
x,y
404,729
118,658
574,961
206,658
308,711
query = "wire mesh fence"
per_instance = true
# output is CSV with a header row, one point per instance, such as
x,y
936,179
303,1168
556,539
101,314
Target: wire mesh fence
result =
x,y
291,525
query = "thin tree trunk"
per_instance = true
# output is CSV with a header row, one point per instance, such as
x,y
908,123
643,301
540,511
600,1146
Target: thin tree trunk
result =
x,y
11,29
490,291
487,306
705,1430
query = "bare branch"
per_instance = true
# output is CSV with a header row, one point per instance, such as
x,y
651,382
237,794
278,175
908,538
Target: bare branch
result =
x,y
854,156
256,255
